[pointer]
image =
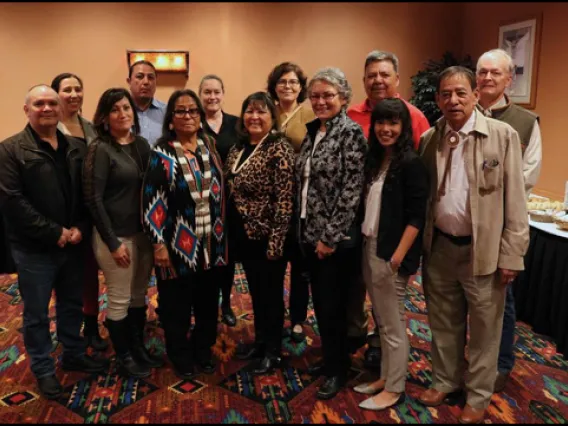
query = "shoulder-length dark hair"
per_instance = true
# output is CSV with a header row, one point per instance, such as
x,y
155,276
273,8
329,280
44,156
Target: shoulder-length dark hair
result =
x,y
104,107
263,99
56,82
168,134
279,71
390,109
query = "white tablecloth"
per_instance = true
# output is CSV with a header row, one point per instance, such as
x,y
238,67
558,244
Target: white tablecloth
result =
x,y
550,228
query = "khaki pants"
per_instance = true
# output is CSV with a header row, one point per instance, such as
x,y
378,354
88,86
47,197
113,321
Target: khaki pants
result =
x,y
126,287
357,319
388,293
451,293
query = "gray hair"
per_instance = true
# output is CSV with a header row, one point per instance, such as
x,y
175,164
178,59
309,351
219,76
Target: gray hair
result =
x,y
500,52
336,78
34,88
379,55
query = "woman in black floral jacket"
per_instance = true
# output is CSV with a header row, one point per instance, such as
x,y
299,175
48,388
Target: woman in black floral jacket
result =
x,y
329,175
184,216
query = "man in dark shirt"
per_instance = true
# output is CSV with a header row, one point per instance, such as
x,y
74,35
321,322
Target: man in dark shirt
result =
x,y
42,204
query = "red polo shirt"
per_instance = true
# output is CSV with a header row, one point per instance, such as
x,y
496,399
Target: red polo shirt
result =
x,y
361,114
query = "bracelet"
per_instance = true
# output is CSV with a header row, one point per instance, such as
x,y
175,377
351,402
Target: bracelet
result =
x,y
156,250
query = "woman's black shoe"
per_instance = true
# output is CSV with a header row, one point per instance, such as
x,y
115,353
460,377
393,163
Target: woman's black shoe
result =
x,y
128,367
228,316
91,333
207,366
266,364
249,351
184,371
330,387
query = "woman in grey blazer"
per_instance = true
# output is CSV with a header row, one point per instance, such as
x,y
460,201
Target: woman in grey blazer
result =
x,y
70,89
330,175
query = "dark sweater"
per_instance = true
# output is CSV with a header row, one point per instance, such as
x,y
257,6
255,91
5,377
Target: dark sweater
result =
x,y
227,135
112,182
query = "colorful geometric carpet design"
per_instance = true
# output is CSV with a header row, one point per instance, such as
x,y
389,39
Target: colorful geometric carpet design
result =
x,y
536,393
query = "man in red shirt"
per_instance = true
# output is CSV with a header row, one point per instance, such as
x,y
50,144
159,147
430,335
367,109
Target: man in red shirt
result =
x,y
381,81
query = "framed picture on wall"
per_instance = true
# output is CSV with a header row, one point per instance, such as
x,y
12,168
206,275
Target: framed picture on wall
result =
x,y
521,39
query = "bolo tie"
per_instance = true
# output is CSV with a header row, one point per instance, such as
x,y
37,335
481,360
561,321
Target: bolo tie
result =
x,y
452,139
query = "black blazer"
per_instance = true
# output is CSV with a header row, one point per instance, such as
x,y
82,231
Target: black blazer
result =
x,y
227,135
403,203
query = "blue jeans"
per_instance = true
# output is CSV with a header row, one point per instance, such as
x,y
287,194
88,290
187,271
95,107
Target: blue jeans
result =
x,y
38,275
506,355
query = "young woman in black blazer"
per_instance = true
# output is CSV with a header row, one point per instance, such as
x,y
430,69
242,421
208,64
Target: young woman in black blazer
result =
x,y
394,203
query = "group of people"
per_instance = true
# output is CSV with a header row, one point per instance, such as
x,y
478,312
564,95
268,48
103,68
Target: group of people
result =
x,y
353,198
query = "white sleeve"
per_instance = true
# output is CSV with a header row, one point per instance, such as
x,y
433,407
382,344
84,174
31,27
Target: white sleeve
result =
x,y
532,159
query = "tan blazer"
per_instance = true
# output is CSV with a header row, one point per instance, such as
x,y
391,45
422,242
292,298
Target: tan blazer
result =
x,y
497,198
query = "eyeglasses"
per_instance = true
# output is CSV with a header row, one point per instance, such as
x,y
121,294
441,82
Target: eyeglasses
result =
x,y
193,112
325,96
284,83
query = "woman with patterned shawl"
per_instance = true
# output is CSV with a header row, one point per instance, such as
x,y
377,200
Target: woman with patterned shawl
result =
x,y
184,216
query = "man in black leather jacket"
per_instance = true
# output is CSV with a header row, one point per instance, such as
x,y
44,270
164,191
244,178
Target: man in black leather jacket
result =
x,y
45,219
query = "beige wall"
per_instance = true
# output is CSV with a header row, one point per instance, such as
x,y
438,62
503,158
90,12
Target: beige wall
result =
x,y
241,42
480,33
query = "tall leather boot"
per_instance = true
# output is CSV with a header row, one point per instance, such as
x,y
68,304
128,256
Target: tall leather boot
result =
x,y
137,318
119,335
91,333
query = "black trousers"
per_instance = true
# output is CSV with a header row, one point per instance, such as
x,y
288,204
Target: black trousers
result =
x,y
176,298
331,278
266,285
299,281
226,280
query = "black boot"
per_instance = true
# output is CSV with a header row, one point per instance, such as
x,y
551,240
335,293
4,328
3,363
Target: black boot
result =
x,y
137,318
119,335
228,315
91,333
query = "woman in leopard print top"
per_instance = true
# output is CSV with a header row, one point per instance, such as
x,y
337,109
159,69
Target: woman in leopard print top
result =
x,y
260,177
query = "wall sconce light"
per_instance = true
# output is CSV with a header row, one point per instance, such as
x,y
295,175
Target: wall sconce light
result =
x,y
175,61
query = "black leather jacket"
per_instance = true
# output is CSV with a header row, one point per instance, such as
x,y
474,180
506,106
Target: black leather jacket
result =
x,y
31,200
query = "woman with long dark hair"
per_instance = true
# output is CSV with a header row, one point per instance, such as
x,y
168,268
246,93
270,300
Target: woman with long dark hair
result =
x,y
184,216
394,203
112,181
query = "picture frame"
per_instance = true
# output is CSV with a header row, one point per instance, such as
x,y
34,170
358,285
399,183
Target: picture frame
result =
x,y
521,40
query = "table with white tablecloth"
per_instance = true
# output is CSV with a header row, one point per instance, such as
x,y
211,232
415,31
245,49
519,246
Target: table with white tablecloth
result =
x,y
541,290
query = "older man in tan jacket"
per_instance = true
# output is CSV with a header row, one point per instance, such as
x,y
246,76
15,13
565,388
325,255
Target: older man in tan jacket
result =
x,y
475,237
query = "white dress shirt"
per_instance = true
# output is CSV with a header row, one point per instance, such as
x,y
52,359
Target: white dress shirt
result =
x,y
306,175
453,211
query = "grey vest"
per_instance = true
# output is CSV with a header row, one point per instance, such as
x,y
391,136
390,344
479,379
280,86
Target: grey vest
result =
x,y
519,119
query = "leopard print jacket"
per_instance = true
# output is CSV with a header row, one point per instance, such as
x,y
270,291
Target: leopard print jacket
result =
x,y
263,191
336,180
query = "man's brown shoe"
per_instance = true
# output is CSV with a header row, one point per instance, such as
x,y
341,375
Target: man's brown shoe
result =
x,y
501,382
471,416
432,397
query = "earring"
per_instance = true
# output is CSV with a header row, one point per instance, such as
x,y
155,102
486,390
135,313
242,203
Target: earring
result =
x,y
171,126
106,126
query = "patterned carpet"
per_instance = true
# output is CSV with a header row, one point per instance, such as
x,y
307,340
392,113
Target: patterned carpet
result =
x,y
537,393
